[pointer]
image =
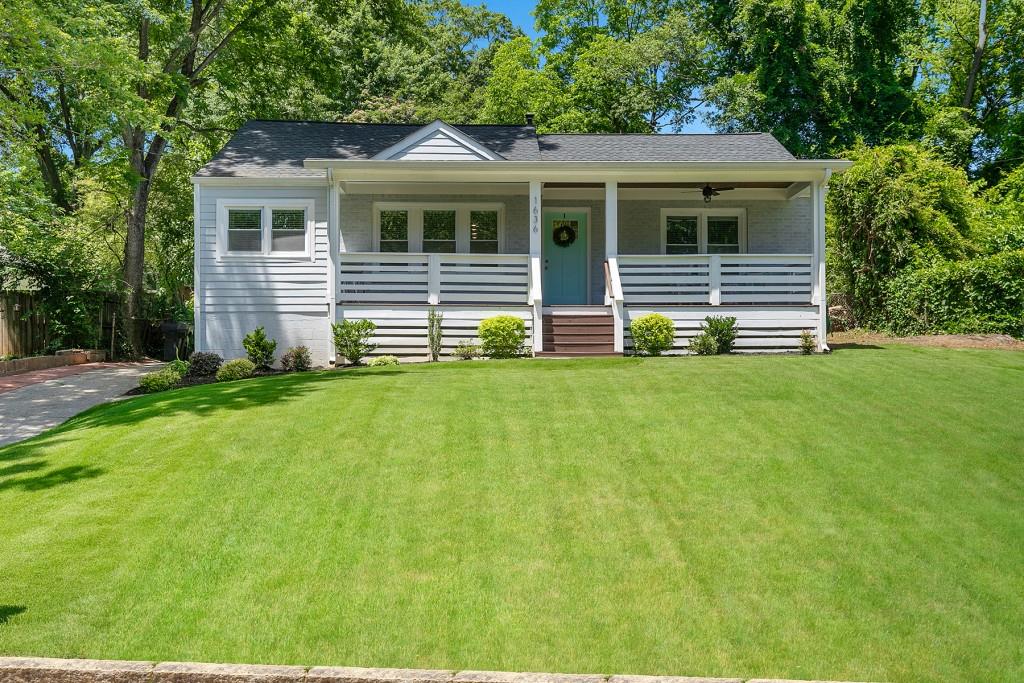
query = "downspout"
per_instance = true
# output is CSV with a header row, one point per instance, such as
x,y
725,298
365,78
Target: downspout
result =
x,y
823,303
333,217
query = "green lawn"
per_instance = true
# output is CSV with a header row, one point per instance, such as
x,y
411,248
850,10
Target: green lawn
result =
x,y
855,516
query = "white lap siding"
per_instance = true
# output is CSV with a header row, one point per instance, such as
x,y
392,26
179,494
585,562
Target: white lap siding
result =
x,y
287,296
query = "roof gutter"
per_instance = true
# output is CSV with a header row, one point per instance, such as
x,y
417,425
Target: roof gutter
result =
x,y
551,171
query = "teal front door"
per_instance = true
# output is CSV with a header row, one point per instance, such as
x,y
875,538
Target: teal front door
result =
x,y
565,257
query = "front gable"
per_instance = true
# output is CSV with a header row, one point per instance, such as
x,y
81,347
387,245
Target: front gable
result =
x,y
438,142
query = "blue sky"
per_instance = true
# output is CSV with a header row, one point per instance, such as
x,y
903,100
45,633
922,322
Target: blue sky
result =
x,y
519,12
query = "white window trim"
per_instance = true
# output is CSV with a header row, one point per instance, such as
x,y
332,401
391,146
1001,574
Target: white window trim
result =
x,y
462,212
702,225
266,206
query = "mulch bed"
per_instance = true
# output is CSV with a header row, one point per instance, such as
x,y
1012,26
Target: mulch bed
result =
x,y
192,381
839,340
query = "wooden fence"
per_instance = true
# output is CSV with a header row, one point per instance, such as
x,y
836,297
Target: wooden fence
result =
x,y
22,327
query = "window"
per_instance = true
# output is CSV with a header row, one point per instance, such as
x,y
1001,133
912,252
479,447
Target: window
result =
x,y
681,234
703,231
723,234
245,230
438,228
439,232
483,232
287,230
249,227
394,231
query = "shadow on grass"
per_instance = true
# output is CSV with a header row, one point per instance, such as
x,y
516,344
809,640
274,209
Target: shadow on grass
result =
x,y
853,346
8,611
30,457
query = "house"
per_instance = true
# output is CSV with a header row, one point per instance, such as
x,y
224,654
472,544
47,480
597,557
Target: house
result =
x,y
299,224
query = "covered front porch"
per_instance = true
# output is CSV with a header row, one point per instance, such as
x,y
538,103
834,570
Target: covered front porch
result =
x,y
407,237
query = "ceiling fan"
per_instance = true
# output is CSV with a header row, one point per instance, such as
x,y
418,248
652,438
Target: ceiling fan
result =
x,y
710,192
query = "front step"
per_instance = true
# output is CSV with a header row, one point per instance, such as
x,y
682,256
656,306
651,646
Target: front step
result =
x,y
575,333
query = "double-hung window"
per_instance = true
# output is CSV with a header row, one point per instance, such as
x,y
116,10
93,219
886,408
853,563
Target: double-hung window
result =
x,y
438,228
282,228
703,231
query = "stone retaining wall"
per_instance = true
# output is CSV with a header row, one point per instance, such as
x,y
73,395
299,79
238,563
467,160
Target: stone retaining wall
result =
x,y
60,359
38,670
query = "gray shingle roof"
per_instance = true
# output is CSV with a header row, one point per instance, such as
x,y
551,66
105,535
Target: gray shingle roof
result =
x,y
681,147
278,148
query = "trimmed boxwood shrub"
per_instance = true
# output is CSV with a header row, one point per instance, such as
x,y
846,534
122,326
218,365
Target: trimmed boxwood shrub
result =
x,y
297,359
979,295
161,380
382,361
239,368
260,348
652,334
502,336
203,364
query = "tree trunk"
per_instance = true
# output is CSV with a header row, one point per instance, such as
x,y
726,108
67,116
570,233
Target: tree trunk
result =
x,y
979,51
132,275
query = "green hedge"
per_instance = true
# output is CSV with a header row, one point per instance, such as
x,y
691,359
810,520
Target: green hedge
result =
x,y
980,295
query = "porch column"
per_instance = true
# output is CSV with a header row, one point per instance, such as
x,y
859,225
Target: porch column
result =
x,y
819,272
611,219
334,192
536,293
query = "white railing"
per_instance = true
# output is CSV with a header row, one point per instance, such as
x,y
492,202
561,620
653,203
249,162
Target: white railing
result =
x,y
613,298
716,279
378,277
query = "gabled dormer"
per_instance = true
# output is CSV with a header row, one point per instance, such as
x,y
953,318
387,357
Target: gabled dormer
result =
x,y
438,141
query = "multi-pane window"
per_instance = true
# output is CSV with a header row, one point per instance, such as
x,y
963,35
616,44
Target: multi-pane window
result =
x,y
245,230
681,234
264,228
703,231
436,228
394,231
483,232
439,231
723,234
287,230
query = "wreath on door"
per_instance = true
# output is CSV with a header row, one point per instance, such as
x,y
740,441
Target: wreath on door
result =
x,y
564,232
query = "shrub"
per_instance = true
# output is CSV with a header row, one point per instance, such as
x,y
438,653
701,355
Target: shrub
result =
x,y
239,368
381,361
161,380
703,344
980,295
434,337
807,342
297,358
203,364
722,330
178,367
466,350
502,336
259,348
352,339
652,334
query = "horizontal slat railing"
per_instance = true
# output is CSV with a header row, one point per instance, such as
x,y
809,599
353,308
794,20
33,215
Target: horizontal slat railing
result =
x,y
716,279
376,277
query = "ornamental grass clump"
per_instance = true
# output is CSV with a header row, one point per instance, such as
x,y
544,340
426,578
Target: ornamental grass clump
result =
x,y
502,336
652,334
259,348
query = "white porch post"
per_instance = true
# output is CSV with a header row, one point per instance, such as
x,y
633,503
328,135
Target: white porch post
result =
x,y
822,189
611,219
611,254
198,329
536,293
333,249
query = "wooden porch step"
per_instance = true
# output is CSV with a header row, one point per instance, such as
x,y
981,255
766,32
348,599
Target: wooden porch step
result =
x,y
576,354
